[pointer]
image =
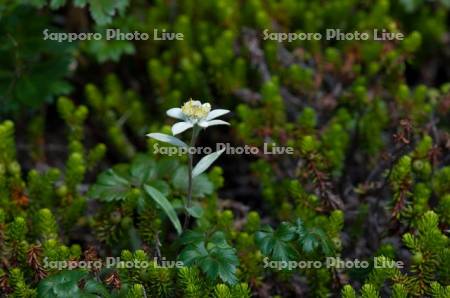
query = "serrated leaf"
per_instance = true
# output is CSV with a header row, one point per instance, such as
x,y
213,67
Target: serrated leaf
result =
x,y
213,255
165,205
193,253
206,162
167,139
110,187
142,169
62,284
309,243
108,50
94,287
312,238
40,80
191,237
276,244
218,238
102,11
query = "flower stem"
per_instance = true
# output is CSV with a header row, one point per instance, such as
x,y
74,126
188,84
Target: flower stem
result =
x,y
195,132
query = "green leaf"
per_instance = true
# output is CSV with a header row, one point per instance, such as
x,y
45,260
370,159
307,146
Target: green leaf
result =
x,y
162,201
166,167
79,3
162,186
410,5
195,211
142,169
37,3
213,255
193,254
109,50
206,162
276,244
40,80
64,284
167,139
55,4
102,11
110,187
94,287
312,238
201,185
192,237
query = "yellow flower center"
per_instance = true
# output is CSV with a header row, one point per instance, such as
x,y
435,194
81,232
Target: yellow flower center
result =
x,y
194,109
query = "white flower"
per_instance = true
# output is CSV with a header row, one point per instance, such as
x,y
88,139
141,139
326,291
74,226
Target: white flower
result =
x,y
193,113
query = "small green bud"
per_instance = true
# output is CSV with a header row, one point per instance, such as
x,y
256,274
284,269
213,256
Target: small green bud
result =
x,y
140,255
8,125
253,221
81,113
76,147
308,144
233,234
360,93
136,193
338,213
227,215
126,222
313,198
126,255
374,67
418,165
64,252
17,229
75,250
412,42
76,157
422,167
403,92
33,174
337,242
80,169
62,190
332,55
14,168
115,217
308,118
417,258
243,239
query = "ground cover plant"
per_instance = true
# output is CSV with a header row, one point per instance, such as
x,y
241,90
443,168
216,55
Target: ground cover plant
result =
x,y
340,186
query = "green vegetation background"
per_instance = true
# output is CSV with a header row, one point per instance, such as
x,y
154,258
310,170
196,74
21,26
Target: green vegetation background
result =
x,y
369,122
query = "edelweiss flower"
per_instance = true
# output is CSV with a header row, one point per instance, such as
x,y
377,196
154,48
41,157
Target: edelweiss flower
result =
x,y
193,113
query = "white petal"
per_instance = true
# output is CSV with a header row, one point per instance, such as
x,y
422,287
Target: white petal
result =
x,y
175,113
203,123
217,122
179,127
168,139
216,113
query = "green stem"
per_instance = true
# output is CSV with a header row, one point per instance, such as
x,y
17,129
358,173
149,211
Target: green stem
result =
x,y
195,132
